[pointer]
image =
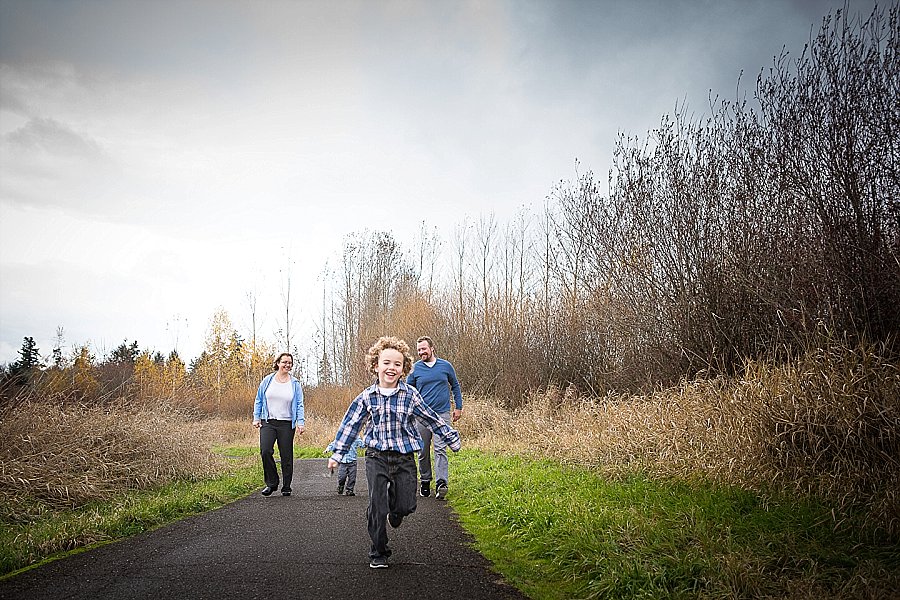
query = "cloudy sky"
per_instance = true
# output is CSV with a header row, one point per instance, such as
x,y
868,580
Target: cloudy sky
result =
x,y
160,159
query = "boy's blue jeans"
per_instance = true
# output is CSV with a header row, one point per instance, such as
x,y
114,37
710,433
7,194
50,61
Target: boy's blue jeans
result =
x,y
392,489
347,475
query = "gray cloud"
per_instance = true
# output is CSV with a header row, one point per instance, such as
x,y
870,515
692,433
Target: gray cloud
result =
x,y
49,164
54,138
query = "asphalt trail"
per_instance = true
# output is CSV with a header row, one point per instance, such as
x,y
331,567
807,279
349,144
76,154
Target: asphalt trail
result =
x,y
312,545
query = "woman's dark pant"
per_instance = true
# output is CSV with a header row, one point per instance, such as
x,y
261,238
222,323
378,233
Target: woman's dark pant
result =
x,y
392,489
273,431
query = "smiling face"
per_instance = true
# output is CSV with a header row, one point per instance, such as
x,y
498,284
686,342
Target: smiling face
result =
x,y
389,367
425,351
285,363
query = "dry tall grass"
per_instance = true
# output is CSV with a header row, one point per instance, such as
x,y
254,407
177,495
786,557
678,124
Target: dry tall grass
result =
x,y
58,455
319,432
827,425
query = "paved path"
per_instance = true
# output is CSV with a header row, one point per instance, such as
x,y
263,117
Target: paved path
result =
x,y
312,545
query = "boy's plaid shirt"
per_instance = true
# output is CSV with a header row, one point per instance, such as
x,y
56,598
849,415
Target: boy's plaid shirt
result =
x,y
392,422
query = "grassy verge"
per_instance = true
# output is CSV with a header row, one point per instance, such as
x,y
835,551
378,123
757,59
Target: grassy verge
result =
x,y
563,532
53,533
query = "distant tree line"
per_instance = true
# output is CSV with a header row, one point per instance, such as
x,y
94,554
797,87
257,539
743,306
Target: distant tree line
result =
x,y
221,380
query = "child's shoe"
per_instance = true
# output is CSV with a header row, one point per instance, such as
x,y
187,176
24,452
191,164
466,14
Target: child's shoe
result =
x,y
340,489
440,492
351,493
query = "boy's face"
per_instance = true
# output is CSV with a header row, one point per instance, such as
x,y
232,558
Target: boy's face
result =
x,y
389,368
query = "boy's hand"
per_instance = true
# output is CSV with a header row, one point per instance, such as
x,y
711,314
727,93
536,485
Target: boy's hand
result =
x,y
332,464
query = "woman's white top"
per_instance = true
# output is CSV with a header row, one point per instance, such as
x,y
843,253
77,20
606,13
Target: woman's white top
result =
x,y
278,398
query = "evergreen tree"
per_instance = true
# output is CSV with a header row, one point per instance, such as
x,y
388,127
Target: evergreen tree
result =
x,y
29,361
124,353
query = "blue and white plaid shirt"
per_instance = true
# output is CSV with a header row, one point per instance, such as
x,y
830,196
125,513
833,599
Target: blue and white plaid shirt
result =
x,y
392,422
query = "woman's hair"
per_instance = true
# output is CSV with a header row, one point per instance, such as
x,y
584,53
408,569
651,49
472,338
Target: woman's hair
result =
x,y
384,343
278,359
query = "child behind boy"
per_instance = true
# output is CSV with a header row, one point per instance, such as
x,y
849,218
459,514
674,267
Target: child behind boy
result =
x,y
391,439
347,467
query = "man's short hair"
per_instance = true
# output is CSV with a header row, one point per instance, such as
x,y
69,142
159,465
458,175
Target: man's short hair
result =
x,y
425,338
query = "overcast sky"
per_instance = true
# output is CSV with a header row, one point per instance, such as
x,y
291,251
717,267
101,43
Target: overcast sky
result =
x,y
159,159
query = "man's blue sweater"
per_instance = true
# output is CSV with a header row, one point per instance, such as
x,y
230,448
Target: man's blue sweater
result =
x,y
435,384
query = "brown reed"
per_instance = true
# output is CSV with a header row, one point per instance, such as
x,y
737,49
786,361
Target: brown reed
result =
x,y
58,455
827,425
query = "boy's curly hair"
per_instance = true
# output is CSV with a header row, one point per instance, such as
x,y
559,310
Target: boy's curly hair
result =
x,y
383,343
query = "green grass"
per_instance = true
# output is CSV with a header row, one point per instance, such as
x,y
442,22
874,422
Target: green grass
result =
x,y
557,532
51,534
562,532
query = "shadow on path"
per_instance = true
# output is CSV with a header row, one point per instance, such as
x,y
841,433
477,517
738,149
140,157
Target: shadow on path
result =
x,y
312,545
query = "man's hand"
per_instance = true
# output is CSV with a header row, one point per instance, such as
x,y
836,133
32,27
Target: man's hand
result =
x,y
455,416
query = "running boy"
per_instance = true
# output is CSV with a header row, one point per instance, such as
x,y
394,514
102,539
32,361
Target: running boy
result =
x,y
392,409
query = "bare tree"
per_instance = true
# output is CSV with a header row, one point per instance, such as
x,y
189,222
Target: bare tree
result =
x,y
485,237
287,323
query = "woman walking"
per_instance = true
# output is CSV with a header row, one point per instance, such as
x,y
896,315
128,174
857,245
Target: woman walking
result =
x,y
278,413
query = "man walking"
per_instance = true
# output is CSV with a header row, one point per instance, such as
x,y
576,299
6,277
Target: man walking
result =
x,y
435,379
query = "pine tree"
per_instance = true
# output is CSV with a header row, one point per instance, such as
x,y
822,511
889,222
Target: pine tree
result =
x,y
29,362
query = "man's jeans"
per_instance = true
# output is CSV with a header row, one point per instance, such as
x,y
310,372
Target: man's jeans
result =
x,y
392,489
441,467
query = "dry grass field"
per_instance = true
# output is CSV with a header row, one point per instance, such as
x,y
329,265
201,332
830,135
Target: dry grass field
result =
x,y
826,425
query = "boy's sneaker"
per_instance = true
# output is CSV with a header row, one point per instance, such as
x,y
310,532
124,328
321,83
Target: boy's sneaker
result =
x,y
340,489
425,489
395,520
379,562
440,492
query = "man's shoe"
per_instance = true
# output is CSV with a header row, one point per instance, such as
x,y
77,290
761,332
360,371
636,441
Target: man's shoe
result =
x,y
267,491
351,493
395,520
425,489
440,492
379,562
285,491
